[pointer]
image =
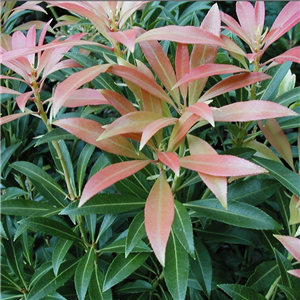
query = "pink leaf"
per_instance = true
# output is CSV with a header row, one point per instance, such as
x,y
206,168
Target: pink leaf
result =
x,y
120,103
5,90
65,89
233,83
220,165
10,118
153,127
30,42
67,63
259,9
290,55
250,111
141,80
89,131
182,65
159,216
217,184
202,110
181,128
207,70
134,122
127,37
170,159
291,244
295,272
246,15
22,100
277,138
110,175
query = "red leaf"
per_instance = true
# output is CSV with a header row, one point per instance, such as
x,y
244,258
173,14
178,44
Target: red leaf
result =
x,y
159,216
182,66
127,37
110,175
153,127
295,272
291,244
220,165
85,96
233,83
5,90
89,131
65,89
201,109
207,70
290,55
170,159
128,8
250,111
130,123
277,138
22,100
10,118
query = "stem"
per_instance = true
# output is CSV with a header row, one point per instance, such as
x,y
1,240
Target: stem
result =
x,y
272,289
79,220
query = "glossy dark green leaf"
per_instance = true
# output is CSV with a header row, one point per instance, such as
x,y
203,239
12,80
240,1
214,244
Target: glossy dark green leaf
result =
x,y
264,276
83,160
286,177
96,286
105,203
270,87
22,207
138,286
183,229
202,267
7,153
253,191
10,294
176,270
290,122
136,232
290,293
84,272
107,222
284,265
50,227
56,134
2,231
60,250
240,292
39,272
237,214
54,296
12,193
49,283
122,267
36,173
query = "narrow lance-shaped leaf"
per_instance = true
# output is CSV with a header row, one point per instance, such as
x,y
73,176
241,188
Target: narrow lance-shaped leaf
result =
x,y
233,83
292,244
89,131
171,160
127,37
134,122
182,65
220,165
250,111
276,137
10,118
159,215
109,175
201,109
217,184
65,89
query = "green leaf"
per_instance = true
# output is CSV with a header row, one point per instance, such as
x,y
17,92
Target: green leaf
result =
x,y
12,193
240,292
96,284
83,160
7,153
22,207
136,232
237,214
138,286
283,264
50,227
176,269
264,276
289,97
56,134
202,267
290,293
290,122
122,267
271,86
286,177
36,173
105,204
182,227
84,272
41,271
60,250
9,295
54,296
49,283
253,191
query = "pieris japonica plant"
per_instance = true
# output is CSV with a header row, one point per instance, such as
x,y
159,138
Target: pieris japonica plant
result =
x,y
160,159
